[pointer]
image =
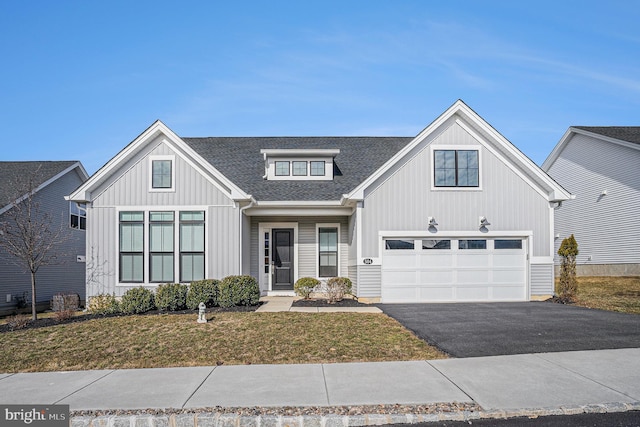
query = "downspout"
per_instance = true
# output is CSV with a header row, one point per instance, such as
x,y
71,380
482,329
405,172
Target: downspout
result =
x,y
240,245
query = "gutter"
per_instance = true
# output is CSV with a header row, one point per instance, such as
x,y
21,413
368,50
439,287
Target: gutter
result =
x,y
240,245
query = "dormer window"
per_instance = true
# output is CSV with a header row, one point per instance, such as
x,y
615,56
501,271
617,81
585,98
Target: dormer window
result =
x,y
299,164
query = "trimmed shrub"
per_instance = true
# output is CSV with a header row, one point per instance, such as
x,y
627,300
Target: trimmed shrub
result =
x,y
137,300
568,283
336,288
171,297
238,290
103,304
205,291
304,286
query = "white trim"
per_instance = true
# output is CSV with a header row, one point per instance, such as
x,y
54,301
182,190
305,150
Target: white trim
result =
x,y
264,227
300,152
145,251
317,247
258,210
172,159
432,166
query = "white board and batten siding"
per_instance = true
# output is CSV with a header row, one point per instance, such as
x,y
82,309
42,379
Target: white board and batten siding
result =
x,y
605,226
130,191
405,199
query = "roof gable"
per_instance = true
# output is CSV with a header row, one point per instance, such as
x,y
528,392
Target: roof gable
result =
x,y
44,173
628,136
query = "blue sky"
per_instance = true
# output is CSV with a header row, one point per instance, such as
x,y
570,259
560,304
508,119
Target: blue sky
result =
x,y
81,79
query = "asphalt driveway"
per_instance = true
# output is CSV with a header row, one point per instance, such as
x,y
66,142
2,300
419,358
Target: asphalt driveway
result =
x,y
491,329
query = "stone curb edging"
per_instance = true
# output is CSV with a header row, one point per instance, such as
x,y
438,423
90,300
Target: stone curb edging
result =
x,y
236,420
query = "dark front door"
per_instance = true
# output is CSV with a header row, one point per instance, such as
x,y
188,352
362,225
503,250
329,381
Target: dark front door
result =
x,y
282,259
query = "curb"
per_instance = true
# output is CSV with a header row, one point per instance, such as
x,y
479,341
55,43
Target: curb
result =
x,y
217,419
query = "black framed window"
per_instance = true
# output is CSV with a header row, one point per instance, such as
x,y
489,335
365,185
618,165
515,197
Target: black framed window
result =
x,y
191,246
161,247
317,168
161,174
328,251
456,168
78,215
282,168
299,168
131,247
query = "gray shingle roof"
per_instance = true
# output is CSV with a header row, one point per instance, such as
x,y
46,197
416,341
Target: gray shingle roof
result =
x,y
624,133
11,174
239,159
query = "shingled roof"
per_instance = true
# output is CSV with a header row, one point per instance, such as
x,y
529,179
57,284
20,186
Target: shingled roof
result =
x,y
623,133
11,174
240,160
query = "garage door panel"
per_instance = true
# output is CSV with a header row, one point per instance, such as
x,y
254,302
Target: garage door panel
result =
x,y
427,274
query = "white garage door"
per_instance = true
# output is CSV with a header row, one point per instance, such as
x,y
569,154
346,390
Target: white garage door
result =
x,y
474,269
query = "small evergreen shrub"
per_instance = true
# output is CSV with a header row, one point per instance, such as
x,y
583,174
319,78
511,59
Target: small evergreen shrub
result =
x,y
137,300
171,297
103,304
205,291
304,286
336,288
238,290
568,283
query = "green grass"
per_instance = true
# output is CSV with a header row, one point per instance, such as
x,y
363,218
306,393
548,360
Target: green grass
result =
x,y
609,293
229,338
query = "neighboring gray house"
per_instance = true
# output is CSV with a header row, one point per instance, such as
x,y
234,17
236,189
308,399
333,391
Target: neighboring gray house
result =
x,y
601,167
456,213
53,180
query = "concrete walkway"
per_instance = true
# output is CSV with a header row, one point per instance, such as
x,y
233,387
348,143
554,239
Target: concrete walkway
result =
x,y
530,384
278,304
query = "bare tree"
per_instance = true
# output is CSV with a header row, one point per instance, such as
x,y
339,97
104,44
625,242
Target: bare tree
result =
x,y
29,234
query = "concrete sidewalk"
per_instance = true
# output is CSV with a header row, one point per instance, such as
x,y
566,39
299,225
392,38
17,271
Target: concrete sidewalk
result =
x,y
278,304
531,384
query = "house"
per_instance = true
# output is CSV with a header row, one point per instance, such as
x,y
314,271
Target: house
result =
x,y
52,180
456,213
601,167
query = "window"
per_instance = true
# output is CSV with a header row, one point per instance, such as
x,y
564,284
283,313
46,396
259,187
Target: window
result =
x,y
317,168
282,168
328,251
507,244
78,215
472,244
456,168
161,174
132,247
161,231
299,168
398,244
191,246
436,244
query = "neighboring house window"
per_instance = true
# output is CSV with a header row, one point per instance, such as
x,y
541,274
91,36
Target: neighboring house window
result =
x,y
282,168
161,174
328,251
317,168
456,168
78,214
299,168
191,246
132,247
161,259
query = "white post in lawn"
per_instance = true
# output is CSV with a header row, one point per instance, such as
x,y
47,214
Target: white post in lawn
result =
x,y
201,310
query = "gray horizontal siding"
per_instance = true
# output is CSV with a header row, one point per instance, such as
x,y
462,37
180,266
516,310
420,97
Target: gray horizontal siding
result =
x,y
405,200
542,279
606,227
369,281
67,275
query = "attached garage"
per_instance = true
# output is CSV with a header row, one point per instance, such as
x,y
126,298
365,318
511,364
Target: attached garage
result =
x,y
459,269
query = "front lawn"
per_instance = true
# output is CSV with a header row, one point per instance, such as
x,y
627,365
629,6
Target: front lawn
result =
x,y
230,338
609,293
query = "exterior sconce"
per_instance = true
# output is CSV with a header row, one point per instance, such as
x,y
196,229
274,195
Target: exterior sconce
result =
x,y
432,222
484,222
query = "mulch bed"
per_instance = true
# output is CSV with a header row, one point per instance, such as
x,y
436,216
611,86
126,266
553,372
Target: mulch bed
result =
x,y
44,322
322,302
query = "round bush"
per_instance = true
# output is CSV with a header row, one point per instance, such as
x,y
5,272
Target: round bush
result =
x,y
304,286
137,300
103,304
337,287
205,291
171,297
238,290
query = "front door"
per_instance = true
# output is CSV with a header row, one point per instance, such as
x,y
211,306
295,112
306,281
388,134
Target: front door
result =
x,y
282,259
